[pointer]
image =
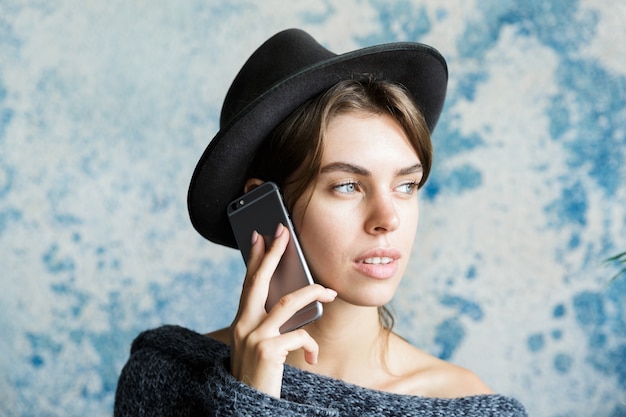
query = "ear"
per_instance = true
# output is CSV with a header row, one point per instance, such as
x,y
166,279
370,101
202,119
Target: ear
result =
x,y
251,184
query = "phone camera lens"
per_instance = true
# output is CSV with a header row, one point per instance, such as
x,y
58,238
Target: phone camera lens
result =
x,y
235,205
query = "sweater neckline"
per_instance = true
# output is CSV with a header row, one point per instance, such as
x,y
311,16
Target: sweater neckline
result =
x,y
293,373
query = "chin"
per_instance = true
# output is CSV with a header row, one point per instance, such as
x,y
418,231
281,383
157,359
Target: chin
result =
x,y
364,292
377,299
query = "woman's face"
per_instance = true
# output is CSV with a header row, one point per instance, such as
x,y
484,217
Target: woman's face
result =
x,y
358,228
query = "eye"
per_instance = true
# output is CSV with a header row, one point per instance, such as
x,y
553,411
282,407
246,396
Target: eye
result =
x,y
347,187
407,187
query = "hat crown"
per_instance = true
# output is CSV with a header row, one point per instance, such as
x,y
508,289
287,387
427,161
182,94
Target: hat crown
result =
x,y
281,56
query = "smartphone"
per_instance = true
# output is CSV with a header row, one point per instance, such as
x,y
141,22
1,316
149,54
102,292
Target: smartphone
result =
x,y
262,209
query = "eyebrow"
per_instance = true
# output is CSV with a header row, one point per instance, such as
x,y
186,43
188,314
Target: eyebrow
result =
x,y
358,170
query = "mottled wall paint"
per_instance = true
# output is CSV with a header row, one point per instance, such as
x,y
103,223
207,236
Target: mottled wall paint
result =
x,y
106,106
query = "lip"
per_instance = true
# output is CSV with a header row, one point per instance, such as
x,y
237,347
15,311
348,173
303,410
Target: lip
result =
x,y
385,263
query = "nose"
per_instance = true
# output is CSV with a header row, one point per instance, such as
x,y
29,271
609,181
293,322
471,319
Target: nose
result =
x,y
382,216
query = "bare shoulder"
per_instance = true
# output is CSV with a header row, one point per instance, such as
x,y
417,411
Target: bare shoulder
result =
x,y
429,376
221,335
455,381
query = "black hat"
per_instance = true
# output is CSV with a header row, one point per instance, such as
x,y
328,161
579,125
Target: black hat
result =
x,y
289,69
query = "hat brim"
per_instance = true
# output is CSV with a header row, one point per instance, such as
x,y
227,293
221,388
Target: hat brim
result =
x,y
219,176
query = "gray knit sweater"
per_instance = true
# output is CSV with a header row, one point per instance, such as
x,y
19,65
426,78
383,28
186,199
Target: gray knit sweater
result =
x,y
174,371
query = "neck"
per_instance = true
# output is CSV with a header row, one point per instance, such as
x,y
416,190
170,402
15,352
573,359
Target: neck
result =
x,y
351,342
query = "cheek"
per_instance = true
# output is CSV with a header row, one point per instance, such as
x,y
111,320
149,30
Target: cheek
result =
x,y
318,230
407,231
413,217
323,235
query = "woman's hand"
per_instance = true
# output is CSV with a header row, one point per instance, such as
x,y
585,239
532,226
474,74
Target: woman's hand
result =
x,y
258,349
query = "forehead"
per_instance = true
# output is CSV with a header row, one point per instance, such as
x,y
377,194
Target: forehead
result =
x,y
357,136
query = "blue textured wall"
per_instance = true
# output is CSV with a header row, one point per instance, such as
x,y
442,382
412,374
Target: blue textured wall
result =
x,y
105,107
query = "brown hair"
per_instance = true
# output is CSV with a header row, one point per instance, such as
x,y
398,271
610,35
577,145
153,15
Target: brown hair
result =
x,y
291,156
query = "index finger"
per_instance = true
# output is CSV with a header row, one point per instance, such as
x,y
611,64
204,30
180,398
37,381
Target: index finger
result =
x,y
261,267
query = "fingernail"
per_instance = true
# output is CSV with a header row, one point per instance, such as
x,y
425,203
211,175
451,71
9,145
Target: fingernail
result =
x,y
332,293
279,230
255,237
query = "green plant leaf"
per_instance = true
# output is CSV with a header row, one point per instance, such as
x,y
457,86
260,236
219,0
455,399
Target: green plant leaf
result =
x,y
618,260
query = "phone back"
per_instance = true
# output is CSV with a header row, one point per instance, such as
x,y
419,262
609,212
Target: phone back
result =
x,y
262,209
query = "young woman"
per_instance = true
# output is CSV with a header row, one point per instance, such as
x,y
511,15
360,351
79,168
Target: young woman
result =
x,y
347,139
